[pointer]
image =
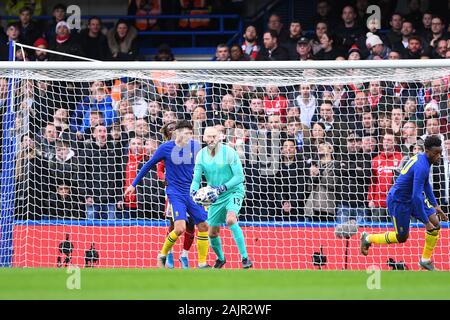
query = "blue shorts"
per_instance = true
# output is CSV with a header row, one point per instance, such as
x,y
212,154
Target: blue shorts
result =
x,y
401,214
181,205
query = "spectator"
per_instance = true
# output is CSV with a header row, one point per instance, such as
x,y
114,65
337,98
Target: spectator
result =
x,y
383,169
142,129
330,121
437,29
250,46
256,111
135,96
168,116
394,35
102,102
432,127
409,136
353,180
397,118
64,42
354,53
303,50
320,205
414,48
150,191
324,13
369,148
128,124
440,49
29,31
272,50
122,42
225,111
59,14
368,125
62,203
407,31
321,29
307,103
236,53
222,52
377,49
328,51
295,33
164,53
66,165
103,166
135,156
239,141
275,103
153,117
199,122
375,96
424,30
274,23
410,108
46,145
40,55
348,29
297,131
93,42
28,174
290,186
394,55
312,142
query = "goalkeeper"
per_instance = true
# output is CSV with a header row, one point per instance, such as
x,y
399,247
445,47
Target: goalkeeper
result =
x,y
223,172
412,195
178,156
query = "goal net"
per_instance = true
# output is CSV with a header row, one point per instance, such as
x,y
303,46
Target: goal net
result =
x,y
321,143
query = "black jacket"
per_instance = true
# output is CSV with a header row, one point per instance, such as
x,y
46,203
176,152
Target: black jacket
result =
x,y
71,46
104,173
94,48
279,54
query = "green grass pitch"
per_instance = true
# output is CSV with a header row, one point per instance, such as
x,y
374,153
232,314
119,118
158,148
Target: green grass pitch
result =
x,y
224,284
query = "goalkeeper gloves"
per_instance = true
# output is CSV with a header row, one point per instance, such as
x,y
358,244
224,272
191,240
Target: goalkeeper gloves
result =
x,y
213,195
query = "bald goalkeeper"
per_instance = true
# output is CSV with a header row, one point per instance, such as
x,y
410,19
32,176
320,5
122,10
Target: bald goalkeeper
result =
x,y
223,172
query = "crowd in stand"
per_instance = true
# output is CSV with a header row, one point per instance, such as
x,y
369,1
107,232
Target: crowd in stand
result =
x,y
310,152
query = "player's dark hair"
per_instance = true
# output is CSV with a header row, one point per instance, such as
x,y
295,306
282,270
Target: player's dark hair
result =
x,y
183,124
166,131
432,141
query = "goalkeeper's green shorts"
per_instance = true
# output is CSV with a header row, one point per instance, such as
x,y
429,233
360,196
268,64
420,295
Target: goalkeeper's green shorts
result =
x,y
217,212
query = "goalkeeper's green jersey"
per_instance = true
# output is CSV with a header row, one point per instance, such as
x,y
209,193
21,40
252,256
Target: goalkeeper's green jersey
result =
x,y
225,168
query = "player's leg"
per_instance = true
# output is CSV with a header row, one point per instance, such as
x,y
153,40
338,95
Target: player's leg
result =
x,y
431,238
199,215
400,215
233,207
179,215
189,236
169,215
216,217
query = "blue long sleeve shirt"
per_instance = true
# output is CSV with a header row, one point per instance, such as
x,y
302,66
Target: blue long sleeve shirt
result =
x,y
179,163
413,183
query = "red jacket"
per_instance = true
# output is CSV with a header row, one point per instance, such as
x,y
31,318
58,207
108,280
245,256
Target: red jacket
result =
x,y
160,170
383,167
276,106
130,175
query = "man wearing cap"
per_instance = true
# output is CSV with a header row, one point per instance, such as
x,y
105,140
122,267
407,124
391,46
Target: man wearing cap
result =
x,y
64,43
40,55
354,53
378,51
304,49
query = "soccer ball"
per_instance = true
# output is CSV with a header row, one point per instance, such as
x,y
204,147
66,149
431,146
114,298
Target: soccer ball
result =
x,y
202,195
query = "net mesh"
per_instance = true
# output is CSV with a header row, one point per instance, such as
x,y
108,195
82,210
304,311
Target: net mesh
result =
x,y
320,149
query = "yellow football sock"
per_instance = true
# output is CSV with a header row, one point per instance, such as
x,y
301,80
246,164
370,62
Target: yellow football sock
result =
x,y
383,238
168,244
202,246
431,238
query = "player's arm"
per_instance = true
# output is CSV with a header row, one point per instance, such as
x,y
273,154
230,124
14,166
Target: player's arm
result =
x,y
159,155
430,196
238,172
198,172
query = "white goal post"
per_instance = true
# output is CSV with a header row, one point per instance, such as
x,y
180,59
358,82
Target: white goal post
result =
x,y
321,142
